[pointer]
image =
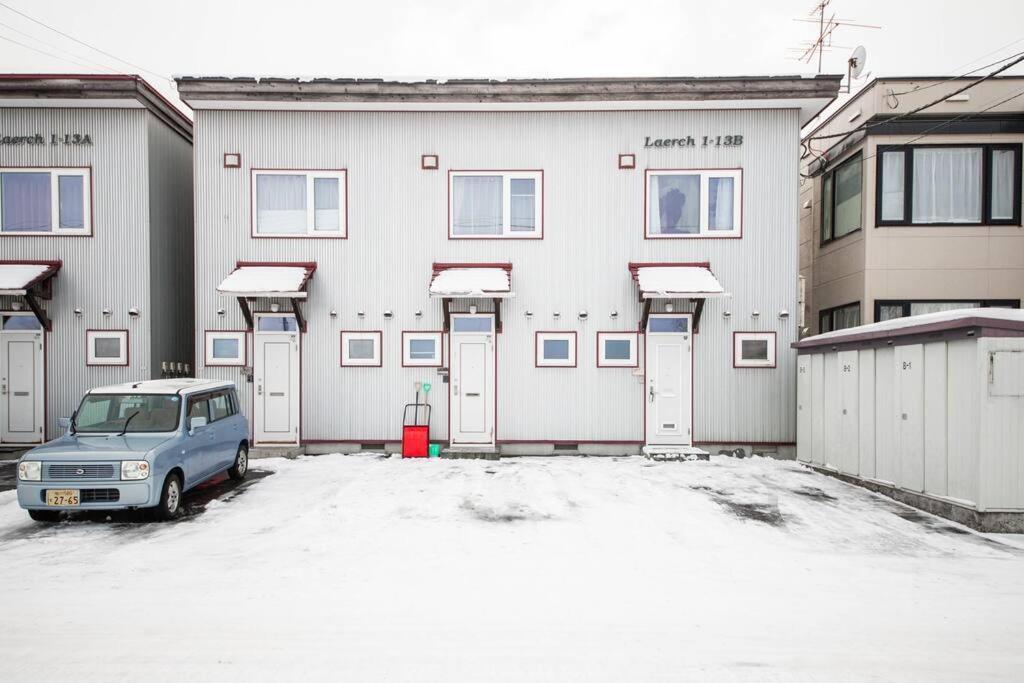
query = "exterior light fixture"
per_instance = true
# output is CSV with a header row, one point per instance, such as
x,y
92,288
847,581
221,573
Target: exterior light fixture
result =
x,y
472,310
419,314
275,307
334,313
783,314
583,315
556,314
78,312
755,314
16,305
669,308
361,314
107,311
220,311
389,314
528,314
133,312
614,314
726,314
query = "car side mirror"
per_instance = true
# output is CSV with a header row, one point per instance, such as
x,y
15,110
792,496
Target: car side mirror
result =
x,y
195,423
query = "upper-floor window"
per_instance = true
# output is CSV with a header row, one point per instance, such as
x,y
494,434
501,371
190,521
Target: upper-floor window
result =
x,y
299,204
888,309
839,318
45,201
948,185
694,203
841,199
505,204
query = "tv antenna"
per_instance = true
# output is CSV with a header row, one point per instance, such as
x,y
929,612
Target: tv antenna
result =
x,y
827,26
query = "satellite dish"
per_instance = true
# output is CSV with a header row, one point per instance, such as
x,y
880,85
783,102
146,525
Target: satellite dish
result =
x,y
857,61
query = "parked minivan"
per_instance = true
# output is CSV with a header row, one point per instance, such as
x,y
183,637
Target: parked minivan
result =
x,y
139,445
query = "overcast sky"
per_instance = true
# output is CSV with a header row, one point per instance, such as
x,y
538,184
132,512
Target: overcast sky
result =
x,y
489,38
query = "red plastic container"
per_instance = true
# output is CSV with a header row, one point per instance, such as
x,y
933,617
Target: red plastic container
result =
x,y
415,441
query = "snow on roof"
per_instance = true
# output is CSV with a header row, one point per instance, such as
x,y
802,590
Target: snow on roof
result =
x,y
265,281
694,281
966,317
182,385
16,277
471,282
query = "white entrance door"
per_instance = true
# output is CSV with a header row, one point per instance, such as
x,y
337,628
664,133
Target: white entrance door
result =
x,y
21,382
276,379
669,368
471,380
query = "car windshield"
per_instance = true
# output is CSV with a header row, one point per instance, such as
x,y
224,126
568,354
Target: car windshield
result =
x,y
111,412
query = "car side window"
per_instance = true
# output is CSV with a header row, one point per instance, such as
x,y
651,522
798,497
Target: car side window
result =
x,y
220,406
199,407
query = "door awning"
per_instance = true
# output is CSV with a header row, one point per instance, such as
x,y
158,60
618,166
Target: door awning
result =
x,y
693,281
31,280
451,281
268,280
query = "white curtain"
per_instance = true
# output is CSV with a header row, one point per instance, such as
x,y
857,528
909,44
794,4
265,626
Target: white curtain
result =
x,y
947,185
1003,162
280,204
477,205
326,203
918,308
892,185
721,201
675,204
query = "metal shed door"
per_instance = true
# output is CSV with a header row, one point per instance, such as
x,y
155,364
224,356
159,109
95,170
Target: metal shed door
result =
x,y
804,408
849,406
909,369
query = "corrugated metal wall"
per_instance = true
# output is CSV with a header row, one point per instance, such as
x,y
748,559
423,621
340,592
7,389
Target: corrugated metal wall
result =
x,y
593,226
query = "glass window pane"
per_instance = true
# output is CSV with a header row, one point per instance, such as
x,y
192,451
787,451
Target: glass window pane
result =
x,y
25,198
847,316
892,185
720,203
890,312
422,349
524,203
1003,166
280,204
326,204
556,349
921,307
675,204
825,321
947,185
464,324
277,323
668,324
754,349
826,208
98,413
107,347
618,349
220,407
21,322
848,180
360,349
225,348
477,205
71,201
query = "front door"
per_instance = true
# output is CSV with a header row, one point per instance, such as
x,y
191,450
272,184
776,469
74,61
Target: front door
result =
x,y
471,381
669,380
276,379
21,380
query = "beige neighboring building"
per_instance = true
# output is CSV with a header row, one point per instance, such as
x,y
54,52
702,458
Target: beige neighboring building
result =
x,y
913,214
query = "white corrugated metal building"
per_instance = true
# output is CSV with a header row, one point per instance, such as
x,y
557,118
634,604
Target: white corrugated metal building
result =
x,y
95,243
573,263
927,409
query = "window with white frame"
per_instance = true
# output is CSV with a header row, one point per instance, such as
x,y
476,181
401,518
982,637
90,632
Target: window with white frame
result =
x,y
556,350
45,201
360,349
697,203
503,204
421,349
617,350
299,203
753,349
106,347
225,347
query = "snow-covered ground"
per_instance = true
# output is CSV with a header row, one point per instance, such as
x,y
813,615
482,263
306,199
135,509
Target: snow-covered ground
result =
x,y
365,568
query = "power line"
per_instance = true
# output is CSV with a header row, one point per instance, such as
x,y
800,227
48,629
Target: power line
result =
x,y
81,42
953,78
78,59
42,52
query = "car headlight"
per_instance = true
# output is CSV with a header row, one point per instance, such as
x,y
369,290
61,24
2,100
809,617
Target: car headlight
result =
x,y
30,470
134,469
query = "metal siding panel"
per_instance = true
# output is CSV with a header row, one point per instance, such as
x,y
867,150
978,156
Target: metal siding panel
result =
x,y
964,413
1002,428
832,412
804,409
935,403
866,413
592,227
886,448
910,415
849,387
818,413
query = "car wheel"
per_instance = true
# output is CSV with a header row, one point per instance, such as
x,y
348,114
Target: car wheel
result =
x,y
241,466
170,498
49,516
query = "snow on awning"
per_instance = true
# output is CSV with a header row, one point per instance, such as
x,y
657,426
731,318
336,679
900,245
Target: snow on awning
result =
x,y
268,280
18,277
466,281
676,281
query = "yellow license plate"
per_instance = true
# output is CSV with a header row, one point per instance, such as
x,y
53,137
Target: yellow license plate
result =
x,y
62,497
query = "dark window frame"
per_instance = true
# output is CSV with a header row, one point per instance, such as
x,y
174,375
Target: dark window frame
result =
x,y
986,185
906,303
830,314
831,199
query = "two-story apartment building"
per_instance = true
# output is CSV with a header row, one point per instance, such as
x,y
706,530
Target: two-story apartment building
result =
x,y
605,262
905,213
95,243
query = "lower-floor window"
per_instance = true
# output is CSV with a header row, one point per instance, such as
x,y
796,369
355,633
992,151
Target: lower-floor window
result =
x,y
839,317
225,347
360,349
891,309
753,349
106,347
422,349
556,350
617,350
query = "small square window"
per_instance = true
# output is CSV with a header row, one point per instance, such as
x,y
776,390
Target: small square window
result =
x,y
360,349
225,347
106,347
232,160
753,349
429,162
617,350
556,349
627,161
421,349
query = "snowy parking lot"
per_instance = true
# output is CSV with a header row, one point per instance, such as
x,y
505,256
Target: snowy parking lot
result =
x,y
372,568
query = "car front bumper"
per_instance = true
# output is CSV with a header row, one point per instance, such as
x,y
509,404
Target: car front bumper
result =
x,y
93,495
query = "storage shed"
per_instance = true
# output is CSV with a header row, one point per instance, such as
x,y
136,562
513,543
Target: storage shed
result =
x,y
927,409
